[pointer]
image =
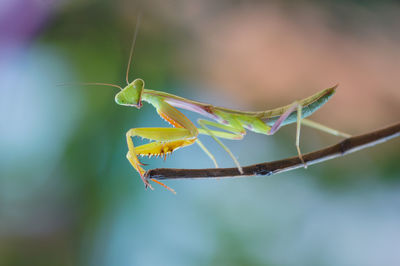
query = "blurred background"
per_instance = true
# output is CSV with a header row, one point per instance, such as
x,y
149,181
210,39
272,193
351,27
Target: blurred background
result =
x,y
68,196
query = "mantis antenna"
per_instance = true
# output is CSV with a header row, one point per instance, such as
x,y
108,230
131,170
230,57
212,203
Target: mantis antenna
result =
x,y
133,46
91,83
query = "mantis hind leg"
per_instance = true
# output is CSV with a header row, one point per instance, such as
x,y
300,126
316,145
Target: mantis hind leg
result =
x,y
275,127
307,122
235,134
316,126
324,128
298,125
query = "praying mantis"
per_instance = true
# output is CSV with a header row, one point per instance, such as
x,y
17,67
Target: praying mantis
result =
x,y
225,123
231,124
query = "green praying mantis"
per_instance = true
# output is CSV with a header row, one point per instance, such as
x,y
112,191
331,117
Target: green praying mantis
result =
x,y
227,123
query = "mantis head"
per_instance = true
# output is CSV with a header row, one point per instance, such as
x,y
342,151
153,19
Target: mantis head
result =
x,y
131,95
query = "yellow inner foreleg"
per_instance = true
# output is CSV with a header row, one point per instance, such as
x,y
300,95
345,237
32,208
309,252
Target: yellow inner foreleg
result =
x,y
166,140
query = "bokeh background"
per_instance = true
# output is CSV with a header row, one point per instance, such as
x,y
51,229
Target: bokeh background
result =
x,y
68,196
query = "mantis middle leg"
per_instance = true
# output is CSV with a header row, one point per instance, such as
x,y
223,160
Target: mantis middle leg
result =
x,y
218,134
315,125
234,134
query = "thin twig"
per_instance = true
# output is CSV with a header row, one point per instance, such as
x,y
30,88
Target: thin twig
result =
x,y
344,147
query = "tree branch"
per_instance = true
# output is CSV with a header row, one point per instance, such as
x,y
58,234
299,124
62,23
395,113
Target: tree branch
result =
x,y
344,147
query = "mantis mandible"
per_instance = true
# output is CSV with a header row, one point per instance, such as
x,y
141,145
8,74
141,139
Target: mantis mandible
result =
x,y
227,123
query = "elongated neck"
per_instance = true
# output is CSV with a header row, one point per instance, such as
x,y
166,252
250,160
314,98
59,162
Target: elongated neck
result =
x,y
153,97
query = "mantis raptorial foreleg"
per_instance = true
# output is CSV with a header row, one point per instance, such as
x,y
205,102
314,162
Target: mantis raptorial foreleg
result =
x,y
166,139
236,134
